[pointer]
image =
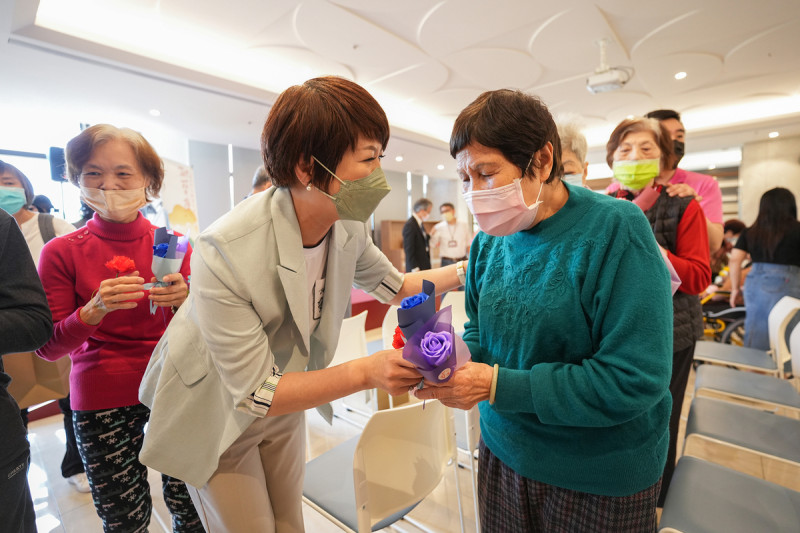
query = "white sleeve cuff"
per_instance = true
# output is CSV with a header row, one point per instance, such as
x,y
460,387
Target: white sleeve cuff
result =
x,y
259,402
389,286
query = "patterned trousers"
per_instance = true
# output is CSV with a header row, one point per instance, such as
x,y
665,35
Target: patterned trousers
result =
x,y
109,442
510,502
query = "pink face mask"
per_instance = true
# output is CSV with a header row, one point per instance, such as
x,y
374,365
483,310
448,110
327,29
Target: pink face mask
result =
x,y
502,211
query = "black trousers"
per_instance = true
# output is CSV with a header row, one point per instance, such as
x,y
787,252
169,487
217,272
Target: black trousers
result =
x,y
71,464
681,368
16,507
109,441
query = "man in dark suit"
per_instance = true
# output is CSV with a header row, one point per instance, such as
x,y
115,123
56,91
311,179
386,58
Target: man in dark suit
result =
x,y
415,238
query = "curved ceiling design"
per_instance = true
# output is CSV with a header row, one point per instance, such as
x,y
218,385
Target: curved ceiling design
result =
x,y
424,60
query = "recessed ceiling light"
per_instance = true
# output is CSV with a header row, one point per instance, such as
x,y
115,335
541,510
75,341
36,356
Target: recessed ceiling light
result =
x,y
773,134
440,167
398,158
629,117
680,75
155,113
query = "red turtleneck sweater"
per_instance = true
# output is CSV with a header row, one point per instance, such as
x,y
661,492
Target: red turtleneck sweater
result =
x,y
109,359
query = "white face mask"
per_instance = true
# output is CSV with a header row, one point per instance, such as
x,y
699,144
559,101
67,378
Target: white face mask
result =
x,y
115,205
502,211
573,179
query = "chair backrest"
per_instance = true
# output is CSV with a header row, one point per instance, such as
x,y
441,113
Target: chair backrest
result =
x,y
794,348
468,428
352,339
456,299
388,326
401,457
779,317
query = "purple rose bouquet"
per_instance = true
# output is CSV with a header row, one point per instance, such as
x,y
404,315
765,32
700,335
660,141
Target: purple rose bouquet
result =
x,y
434,348
168,252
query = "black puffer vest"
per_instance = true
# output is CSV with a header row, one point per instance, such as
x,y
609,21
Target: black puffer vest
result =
x,y
664,217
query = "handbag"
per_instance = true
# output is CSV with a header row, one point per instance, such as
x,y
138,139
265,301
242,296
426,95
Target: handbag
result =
x,y
34,380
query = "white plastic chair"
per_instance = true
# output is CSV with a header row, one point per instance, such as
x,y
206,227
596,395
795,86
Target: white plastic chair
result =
x,y
456,299
353,345
468,435
772,361
374,480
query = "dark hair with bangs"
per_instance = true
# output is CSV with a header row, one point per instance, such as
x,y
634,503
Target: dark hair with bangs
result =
x,y
8,168
515,123
323,118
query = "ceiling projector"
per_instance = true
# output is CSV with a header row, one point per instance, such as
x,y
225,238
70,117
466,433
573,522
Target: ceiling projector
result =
x,y
608,80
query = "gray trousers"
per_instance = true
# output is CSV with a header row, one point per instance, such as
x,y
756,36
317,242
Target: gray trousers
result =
x,y
258,485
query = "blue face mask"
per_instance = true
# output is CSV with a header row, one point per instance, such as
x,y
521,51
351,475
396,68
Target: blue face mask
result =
x,y
573,179
12,199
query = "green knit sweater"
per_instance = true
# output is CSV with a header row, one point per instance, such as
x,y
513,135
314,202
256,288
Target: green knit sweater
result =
x,y
577,311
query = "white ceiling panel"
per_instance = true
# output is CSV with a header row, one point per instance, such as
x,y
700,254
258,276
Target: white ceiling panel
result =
x,y
449,101
411,82
772,50
491,68
571,39
658,74
247,17
336,33
459,24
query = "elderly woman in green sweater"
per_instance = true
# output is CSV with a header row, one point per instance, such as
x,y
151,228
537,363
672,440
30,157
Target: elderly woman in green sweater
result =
x,y
570,329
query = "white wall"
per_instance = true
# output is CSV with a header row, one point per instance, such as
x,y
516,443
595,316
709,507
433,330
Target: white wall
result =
x,y
766,165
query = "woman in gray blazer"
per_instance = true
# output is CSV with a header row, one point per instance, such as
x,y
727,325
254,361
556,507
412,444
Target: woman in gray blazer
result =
x,y
247,352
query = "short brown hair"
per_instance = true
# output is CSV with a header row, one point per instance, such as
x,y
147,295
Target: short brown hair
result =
x,y
635,125
323,117
515,123
79,151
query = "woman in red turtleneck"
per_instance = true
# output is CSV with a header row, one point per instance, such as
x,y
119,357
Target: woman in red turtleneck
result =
x,y
102,320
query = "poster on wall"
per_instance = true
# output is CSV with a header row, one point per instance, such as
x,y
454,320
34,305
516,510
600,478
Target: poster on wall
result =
x,y
178,201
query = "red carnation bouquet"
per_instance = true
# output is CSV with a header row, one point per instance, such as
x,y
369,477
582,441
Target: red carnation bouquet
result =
x,y
121,264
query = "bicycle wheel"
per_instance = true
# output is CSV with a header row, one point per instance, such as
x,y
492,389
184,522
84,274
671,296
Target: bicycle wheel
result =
x,y
734,333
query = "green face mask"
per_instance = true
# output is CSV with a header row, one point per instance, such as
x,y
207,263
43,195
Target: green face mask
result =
x,y
636,174
358,199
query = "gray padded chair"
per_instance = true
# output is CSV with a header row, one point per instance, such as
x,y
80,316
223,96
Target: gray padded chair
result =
x,y
780,394
708,498
772,361
762,433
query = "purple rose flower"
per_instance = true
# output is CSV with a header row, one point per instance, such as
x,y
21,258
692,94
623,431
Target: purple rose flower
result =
x,y
413,301
436,347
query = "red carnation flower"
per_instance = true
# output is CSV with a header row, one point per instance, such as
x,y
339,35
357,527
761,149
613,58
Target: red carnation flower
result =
x,y
120,264
398,341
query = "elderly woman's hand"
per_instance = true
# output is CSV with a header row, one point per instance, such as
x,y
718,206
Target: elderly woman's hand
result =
x,y
112,295
173,295
388,370
469,385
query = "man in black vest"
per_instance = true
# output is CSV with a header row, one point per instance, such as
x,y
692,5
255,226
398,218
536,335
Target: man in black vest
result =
x,y
416,239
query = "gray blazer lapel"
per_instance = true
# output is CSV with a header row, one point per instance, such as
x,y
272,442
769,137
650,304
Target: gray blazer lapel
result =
x,y
291,264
